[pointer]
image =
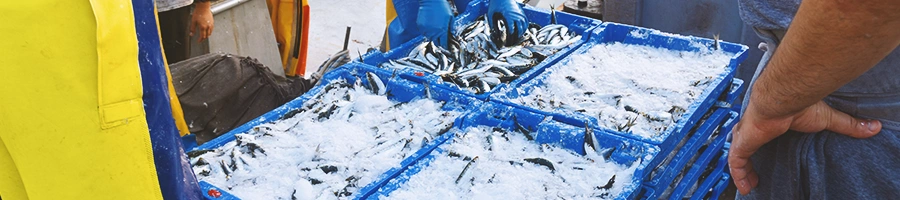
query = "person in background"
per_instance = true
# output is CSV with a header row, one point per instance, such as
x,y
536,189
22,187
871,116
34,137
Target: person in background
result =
x,y
822,119
177,24
408,19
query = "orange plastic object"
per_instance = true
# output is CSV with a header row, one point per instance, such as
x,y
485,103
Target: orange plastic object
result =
x,y
300,67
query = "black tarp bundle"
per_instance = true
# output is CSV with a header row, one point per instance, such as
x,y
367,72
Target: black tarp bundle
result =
x,y
219,92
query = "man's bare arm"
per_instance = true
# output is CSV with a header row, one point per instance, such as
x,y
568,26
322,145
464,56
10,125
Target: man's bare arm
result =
x,y
829,43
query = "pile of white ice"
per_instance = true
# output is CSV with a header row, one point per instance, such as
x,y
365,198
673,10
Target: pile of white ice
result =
x,y
343,139
506,166
629,88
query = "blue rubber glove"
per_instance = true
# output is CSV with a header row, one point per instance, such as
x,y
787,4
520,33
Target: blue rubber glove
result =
x,y
516,24
433,20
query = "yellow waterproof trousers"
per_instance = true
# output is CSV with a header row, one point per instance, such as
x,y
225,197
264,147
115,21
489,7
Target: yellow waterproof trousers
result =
x,y
72,121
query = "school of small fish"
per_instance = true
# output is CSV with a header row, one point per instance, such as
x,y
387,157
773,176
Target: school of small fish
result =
x,y
491,163
341,140
480,59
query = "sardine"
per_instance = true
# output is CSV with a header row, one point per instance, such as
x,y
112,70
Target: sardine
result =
x,y
375,83
461,174
542,162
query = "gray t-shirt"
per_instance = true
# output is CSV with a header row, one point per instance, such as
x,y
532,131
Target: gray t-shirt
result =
x,y
167,5
778,14
769,14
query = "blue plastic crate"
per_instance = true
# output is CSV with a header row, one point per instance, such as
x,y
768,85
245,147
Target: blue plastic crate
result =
x,y
577,24
711,185
398,89
690,175
612,32
626,151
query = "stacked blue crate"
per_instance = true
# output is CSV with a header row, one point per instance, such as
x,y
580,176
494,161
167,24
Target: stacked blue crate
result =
x,y
665,185
689,175
545,130
709,136
674,136
577,24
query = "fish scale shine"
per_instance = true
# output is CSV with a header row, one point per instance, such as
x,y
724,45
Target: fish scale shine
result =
x,y
474,46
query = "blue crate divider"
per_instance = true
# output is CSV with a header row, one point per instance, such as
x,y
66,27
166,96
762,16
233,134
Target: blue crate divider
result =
x,y
663,174
713,149
717,177
207,188
390,180
398,89
575,23
613,32
546,130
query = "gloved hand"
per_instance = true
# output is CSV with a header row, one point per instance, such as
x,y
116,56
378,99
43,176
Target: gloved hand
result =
x,y
516,24
433,20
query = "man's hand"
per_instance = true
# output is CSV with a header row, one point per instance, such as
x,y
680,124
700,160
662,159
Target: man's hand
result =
x,y
202,20
755,129
516,23
433,21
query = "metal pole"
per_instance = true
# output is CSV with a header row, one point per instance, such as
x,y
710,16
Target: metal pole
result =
x,y
346,38
225,5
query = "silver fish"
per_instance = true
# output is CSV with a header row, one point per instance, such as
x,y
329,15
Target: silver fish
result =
x,y
375,83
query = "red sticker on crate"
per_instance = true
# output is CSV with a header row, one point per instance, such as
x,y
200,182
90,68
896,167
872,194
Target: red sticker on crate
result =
x,y
420,74
214,193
